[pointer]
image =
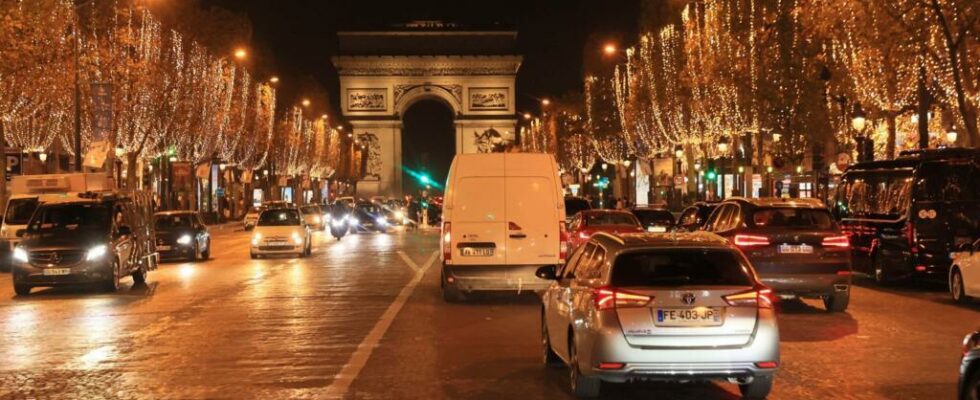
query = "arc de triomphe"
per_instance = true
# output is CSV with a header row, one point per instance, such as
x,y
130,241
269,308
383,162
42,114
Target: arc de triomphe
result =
x,y
384,72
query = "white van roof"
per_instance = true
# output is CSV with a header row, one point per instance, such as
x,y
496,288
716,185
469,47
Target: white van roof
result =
x,y
505,164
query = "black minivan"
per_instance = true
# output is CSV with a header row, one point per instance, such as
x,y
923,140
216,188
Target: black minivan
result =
x,y
905,216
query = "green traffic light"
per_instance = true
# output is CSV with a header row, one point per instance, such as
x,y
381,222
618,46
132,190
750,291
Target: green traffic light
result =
x,y
425,179
712,175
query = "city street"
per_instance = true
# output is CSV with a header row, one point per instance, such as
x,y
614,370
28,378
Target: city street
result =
x,y
363,318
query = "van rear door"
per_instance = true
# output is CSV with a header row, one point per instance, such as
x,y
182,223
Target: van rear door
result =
x,y
478,221
532,221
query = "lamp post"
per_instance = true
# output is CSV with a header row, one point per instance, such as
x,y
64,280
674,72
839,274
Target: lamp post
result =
x,y
859,124
697,178
722,149
679,156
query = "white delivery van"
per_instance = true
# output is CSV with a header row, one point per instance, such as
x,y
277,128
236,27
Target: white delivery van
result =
x,y
503,217
29,191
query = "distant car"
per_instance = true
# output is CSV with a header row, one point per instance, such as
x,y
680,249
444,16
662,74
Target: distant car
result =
x,y
280,231
675,307
964,274
182,234
969,385
276,204
250,218
313,216
368,217
694,216
573,205
654,219
794,244
588,222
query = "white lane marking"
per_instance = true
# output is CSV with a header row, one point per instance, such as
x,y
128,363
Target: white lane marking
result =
x,y
342,381
408,260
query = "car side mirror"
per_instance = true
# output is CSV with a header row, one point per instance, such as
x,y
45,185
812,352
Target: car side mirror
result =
x,y
20,232
124,230
546,272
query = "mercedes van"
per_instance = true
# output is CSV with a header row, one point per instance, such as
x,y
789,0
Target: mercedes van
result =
x,y
504,217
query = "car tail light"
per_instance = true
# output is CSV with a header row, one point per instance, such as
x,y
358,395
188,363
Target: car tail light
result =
x,y
611,365
447,238
762,298
909,231
751,240
836,241
563,242
767,364
609,298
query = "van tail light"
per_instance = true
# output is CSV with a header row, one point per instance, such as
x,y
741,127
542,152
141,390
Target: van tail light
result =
x,y
909,231
751,240
836,241
447,238
562,242
606,298
762,298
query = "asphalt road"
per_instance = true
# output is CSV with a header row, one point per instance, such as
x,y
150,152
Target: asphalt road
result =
x,y
363,318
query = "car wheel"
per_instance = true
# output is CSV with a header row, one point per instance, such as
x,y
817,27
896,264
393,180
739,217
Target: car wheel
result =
x,y
956,287
582,386
112,284
253,255
881,274
206,254
837,302
971,388
139,276
22,290
550,358
195,254
757,390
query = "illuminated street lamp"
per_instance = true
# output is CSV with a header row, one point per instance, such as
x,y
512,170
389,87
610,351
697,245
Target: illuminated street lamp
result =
x,y
679,151
951,137
306,102
43,157
545,102
527,115
609,49
274,79
241,53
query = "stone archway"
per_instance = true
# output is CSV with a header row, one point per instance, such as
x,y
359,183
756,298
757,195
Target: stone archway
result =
x,y
383,73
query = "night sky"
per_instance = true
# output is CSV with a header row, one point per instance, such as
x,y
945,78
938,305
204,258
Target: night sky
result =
x,y
296,38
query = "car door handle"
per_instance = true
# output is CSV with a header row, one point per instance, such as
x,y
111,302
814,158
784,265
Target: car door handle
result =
x,y
517,236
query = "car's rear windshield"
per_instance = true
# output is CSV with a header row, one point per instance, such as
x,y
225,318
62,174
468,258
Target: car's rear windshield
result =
x,y
173,221
651,217
610,219
574,206
792,218
681,267
311,210
282,217
19,211
71,218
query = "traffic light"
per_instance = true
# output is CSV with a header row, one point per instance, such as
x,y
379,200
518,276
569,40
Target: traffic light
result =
x,y
425,179
712,173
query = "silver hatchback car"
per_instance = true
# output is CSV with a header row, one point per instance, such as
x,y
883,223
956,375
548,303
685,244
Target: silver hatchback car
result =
x,y
659,307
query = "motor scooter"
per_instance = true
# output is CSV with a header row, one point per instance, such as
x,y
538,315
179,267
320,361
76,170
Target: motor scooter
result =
x,y
339,226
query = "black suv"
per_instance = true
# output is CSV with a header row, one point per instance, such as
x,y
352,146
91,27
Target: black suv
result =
x,y
795,246
92,239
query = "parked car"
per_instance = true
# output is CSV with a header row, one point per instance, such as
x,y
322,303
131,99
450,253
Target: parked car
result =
x,y
368,217
313,217
91,238
251,217
964,274
694,216
969,385
281,231
794,244
589,222
678,307
654,219
906,216
573,205
504,217
182,234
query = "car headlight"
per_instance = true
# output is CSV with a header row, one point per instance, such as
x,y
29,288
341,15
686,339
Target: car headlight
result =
x,y
316,219
297,238
338,222
381,221
399,215
354,221
185,239
96,252
20,254
256,238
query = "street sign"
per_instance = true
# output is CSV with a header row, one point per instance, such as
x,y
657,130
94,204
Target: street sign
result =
x,y
14,162
220,192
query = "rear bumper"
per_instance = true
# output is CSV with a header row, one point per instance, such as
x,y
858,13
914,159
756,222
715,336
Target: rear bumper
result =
x,y
471,278
807,285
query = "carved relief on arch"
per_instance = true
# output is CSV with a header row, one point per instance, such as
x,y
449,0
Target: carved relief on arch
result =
x,y
452,91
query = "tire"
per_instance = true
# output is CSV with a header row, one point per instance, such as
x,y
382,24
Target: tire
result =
x,y
550,358
971,387
956,287
757,390
139,276
112,284
879,272
581,386
450,292
22,290
206,254
837,302
253,255
195,255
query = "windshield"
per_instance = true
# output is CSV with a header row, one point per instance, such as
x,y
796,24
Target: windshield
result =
x,y
680,267
654,217
173,221
311,210
279,218
574,206
19,211
70,217
610,219
367,209
796,218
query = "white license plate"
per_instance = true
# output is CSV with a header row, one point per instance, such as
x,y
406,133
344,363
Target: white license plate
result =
x,y
697,316
795,249
163,248
657,229
276,244
57,271
476,251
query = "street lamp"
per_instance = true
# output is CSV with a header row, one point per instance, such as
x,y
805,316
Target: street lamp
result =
x,y
609,49
42,156
859,123
241,53
527,115
951,137
274,79
306,102
722,149
545,102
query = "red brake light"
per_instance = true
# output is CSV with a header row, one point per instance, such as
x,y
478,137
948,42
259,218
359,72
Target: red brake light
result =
x,y
909,231
609,298
751,240
836,241
611,365
447,248
767,364
762,298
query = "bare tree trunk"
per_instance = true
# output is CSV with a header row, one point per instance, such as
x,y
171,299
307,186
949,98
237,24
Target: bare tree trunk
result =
x,y
952,50
925,102
890,143
131,170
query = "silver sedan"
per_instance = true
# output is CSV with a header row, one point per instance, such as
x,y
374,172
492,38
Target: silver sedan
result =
x,y
659,307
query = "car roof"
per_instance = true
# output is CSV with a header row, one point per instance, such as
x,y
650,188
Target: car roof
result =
x,y
604,211
778,202
630,241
